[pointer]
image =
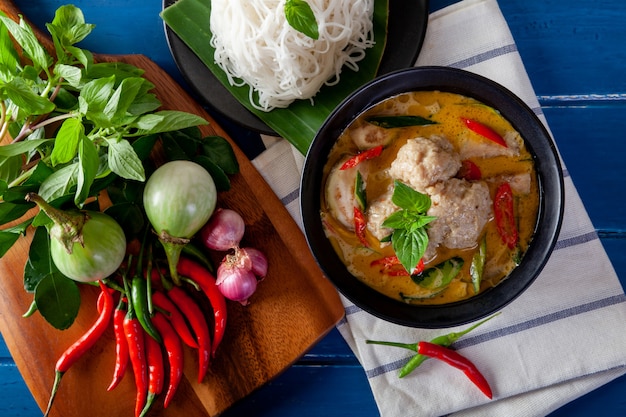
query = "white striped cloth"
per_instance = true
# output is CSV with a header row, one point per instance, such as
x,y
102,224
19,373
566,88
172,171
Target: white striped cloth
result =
x,y
565,336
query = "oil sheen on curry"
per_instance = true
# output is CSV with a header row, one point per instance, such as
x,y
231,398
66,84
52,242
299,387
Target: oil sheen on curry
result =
x,y
430,197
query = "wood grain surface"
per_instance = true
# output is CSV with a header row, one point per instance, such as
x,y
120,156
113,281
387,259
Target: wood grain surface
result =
x,y
293,308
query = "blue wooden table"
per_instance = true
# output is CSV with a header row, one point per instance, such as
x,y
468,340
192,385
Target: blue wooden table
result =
x,y
575,55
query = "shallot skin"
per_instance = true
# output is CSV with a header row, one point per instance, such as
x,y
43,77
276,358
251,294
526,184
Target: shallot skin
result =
x,y
236,283
256,260
224,230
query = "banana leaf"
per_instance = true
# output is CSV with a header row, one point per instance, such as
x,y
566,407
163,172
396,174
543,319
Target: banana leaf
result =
x,y
299,122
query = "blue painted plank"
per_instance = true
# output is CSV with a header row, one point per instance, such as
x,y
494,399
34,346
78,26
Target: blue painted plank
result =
x,y
306,391
589,138
570,47
15,398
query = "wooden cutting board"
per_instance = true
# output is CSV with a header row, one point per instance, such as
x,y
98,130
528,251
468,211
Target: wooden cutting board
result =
x,y
293,308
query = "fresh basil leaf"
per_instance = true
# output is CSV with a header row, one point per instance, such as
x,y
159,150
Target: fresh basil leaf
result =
x,y
122,98
390,122
11,167
83,56
94,96
10,235
17,193
123,160
89,162
41,172
58,300
69,26
143,104
26,38
71,74
59,183
19,148
9,58
117,70
66,143
65,100
166,121
12,211
300,16
22,95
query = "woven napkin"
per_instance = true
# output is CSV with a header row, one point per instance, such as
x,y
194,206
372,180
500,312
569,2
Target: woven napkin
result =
x,y
565,336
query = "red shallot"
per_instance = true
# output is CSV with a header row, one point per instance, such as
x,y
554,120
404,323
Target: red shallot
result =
x,y
235,282
256,260
224,230
238,273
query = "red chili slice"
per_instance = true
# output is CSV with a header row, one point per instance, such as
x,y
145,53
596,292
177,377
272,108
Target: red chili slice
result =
x,y
505,215
362,156
392,266
359,226
469,171
484,131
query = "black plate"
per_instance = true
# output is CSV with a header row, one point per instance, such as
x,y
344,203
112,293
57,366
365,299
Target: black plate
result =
x,y
547,166
406,30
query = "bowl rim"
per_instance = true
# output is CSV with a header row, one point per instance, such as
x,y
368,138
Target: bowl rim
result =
x,y
547,166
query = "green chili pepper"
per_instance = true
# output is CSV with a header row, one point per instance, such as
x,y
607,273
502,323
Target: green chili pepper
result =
x,y
139,299
478,264
443,340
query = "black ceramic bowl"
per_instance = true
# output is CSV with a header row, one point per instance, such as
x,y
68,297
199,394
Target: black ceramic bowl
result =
x,y
547,167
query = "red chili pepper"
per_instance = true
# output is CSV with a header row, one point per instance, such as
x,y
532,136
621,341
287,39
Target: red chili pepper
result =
x,y
85,342
206,281
135,338
457,360
175,317
505,215
196,319
360,226
121,345
100,301
362,156
484,131
156,371
469,171
174,350
391,265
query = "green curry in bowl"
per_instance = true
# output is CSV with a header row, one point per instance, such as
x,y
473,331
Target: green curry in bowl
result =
x,y
475,181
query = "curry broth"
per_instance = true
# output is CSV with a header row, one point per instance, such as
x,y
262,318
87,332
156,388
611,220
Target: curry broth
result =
x,y
446,109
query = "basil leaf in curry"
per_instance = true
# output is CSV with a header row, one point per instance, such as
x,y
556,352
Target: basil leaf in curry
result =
x,y
409,238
